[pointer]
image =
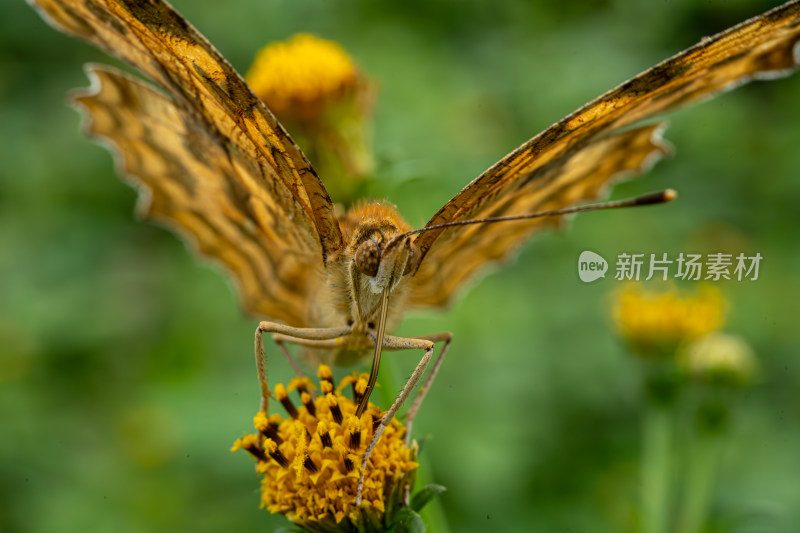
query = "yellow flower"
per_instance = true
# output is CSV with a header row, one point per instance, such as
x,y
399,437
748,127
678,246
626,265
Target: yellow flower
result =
x,y
655,323
311,460
298,78
319,94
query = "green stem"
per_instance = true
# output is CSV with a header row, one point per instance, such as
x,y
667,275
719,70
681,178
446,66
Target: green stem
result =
x,y
700,479
656,468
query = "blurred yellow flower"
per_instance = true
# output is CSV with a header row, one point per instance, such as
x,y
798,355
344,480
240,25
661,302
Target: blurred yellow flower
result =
x,y
311,460
314,87
298,78
656,323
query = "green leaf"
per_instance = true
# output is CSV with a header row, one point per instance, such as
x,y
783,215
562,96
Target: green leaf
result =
x,y
408,521
289,530
425,495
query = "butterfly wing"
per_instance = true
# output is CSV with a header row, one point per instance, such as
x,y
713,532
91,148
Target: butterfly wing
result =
x,y
211,160
576,159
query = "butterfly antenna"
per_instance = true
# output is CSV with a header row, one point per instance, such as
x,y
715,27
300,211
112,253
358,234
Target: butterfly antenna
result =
x,y
646,199
376,358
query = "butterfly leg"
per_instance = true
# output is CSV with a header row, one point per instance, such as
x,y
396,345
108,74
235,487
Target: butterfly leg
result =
x,y
281,344
291,334
411,413
397,343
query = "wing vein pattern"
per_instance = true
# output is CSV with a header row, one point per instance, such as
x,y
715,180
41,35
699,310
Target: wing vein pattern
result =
x,y
211,161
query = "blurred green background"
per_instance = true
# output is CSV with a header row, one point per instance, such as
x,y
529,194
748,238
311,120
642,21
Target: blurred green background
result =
x,y
126,365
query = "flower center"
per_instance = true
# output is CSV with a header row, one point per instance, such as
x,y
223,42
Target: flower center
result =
x,y
310,461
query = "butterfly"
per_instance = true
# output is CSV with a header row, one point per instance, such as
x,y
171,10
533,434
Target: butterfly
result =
x,y
214,164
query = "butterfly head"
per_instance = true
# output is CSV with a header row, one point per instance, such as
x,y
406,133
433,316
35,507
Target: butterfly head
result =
x,y
383,262
378,256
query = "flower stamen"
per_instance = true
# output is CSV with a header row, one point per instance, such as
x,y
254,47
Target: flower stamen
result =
x,y
283,397
268,427
376,421
301,384
336,412
309,403
348,464
309,465
272,449
359,388
250,444
354,429
325,375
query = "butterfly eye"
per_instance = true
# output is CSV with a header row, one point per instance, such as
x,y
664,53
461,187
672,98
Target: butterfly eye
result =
x,y
368,258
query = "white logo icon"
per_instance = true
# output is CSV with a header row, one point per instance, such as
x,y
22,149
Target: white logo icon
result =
x,y
591,266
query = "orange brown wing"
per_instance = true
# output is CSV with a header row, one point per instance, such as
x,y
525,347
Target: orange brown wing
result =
x,y
212,161
576,159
